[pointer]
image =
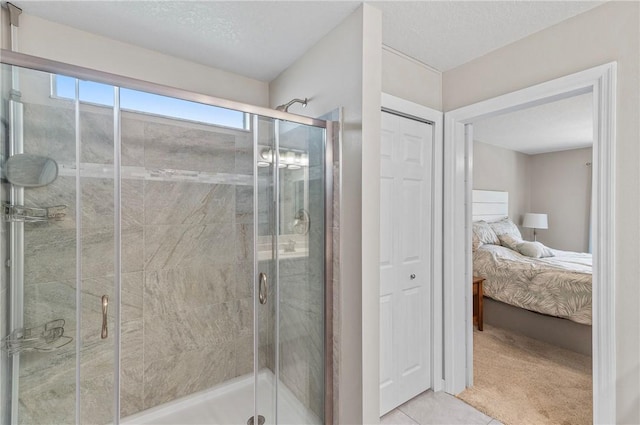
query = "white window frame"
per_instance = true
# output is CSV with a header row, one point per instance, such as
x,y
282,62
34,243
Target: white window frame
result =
x,y
246,120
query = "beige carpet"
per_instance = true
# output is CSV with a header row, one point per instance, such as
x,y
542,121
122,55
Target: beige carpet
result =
x,y
519,380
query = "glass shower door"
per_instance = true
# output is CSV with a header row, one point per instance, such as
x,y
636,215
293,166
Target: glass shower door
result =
x,y
301,273
58,217
265,267
166,250
97,179
42,246
289,284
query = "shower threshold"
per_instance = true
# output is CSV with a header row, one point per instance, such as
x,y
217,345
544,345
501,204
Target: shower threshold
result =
x,y
228,403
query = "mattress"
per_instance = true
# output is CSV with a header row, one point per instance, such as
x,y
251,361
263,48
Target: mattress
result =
x,y
558,286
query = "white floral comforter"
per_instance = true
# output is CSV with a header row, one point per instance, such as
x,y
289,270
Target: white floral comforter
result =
x,y
559,286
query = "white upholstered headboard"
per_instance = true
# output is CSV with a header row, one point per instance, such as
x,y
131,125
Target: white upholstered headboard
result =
x,y
489,205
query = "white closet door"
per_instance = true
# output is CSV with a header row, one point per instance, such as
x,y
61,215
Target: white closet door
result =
x,y
405,269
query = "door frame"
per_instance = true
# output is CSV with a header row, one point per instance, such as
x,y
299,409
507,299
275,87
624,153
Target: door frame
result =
x,y
458,168
415,111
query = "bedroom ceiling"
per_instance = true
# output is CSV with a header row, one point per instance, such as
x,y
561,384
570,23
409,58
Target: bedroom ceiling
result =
x,y
261,39
561,125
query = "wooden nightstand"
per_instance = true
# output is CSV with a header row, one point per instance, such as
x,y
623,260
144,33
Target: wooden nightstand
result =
x,y
477,301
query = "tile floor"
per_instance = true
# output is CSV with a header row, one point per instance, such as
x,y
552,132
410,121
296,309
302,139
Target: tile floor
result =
x,y
436,408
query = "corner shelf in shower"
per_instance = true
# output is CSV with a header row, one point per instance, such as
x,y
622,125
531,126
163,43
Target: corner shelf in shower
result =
x,y
44,338
20,213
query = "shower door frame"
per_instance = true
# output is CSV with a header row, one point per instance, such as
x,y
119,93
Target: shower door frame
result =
x,y
13,58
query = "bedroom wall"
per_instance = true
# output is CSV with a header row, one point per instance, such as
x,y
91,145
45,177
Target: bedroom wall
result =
x,y
579,43
555,183
496,168
406,78
40,37
560,186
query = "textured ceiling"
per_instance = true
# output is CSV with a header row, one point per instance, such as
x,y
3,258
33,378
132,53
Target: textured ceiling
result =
x,y
255,39
446,34
561,125
261,39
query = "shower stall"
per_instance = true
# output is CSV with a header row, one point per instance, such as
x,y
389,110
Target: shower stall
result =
x,y
166,255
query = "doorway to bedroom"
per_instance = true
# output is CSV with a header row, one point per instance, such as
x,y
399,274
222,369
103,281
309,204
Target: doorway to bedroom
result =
x,y
532,263
458,264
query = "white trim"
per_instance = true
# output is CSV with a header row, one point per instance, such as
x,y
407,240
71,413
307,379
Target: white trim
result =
x,y
601,81
468,259
603,225
411,59
454,256
423,113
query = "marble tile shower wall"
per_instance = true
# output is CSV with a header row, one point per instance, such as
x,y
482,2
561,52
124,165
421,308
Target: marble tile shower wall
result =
x,y
187,308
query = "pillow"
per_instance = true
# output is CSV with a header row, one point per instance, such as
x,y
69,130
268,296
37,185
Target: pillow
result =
x,y
506,227
485,233
534,250
509,241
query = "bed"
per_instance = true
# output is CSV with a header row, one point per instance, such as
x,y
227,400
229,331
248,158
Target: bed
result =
x,y
545,298
559,286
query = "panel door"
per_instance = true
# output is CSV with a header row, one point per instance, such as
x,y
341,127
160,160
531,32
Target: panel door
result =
x,y
405,251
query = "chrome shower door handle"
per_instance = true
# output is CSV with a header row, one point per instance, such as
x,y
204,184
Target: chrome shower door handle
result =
x,y
262,288
105,305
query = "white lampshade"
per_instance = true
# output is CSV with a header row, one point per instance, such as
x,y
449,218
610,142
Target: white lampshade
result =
x,y
535,221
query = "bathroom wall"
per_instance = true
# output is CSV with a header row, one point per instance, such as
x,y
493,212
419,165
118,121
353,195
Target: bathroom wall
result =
x,y
187,261
409,79
198,238
51,40
344,70
5,29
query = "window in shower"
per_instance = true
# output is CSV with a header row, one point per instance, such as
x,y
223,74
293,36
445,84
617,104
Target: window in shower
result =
x,y
63,87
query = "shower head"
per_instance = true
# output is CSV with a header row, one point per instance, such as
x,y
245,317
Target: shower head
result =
x,y
285,107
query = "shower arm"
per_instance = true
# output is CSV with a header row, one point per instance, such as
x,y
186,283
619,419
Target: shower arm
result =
x,y
285,107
